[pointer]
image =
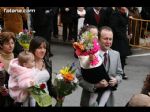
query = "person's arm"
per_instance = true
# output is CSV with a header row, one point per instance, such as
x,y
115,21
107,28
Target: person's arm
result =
x,y
25,80
24,15
24,18
51,88
87,16
84,84
119,70
116,79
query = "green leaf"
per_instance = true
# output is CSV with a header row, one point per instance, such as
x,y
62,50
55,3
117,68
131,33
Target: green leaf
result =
x,y
73,71
43,100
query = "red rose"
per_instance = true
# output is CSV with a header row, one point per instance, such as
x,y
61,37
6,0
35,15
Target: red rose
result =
x,y
42,86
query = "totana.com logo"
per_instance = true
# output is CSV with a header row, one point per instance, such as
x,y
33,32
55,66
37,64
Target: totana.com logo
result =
x,y
19,10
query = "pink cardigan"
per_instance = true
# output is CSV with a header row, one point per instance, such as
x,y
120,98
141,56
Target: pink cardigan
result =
x,y
19,80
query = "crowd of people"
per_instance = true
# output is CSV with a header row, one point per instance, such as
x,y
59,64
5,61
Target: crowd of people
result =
x,y
23,69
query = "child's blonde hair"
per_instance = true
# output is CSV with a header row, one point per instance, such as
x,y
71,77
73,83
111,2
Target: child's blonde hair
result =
x,y
23,57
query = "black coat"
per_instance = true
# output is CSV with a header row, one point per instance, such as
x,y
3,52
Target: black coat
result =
x,y
51,88
5,101
118,23
145,14
42,21
90,18
68,17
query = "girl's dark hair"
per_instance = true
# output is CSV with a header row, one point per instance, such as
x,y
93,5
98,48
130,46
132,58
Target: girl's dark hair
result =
x,y
36,42
83,29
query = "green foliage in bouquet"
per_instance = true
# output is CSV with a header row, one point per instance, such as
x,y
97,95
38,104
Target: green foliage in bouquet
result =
x,y
65,82
39,94
87,39
64,88
24,38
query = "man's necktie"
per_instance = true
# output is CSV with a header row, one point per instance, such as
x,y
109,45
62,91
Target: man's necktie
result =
x,y
105,59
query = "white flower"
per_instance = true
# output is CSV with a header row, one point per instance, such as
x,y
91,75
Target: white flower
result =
x,y
59,76
75,80
33,31
20,33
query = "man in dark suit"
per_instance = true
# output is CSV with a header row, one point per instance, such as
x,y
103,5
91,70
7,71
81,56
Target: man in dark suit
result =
x,y
95,16
67,18
55,22
145,14
42,23
112,66
119,24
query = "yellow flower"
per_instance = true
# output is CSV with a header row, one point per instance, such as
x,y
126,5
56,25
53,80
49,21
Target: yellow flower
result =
x,y
64,70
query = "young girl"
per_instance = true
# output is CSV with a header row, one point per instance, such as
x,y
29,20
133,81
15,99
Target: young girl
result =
x,y
89,58
91,63
22,74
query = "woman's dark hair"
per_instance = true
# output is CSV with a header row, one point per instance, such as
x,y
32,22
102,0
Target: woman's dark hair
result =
x,y
36,42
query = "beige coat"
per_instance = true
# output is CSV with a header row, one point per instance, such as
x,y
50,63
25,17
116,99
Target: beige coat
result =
x,y
13,21
139,100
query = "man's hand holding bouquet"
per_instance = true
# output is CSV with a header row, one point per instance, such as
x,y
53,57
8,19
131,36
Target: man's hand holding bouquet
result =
x,y
65,83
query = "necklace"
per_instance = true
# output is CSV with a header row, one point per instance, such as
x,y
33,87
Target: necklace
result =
x,y
40,65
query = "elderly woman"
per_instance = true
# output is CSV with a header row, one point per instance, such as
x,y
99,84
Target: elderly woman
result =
x,y
7,43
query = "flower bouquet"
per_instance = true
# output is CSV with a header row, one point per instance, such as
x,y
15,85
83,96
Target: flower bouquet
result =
x,y
87,50
24,38
39,94
65,83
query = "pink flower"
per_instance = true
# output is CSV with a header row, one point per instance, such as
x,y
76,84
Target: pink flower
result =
x,y
92,51
1,65
94,61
